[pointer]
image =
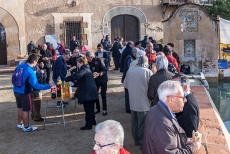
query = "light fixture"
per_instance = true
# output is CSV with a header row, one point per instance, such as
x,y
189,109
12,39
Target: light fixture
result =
x,y
73,3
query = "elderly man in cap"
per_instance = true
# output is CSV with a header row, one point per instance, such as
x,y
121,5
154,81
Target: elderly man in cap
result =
x,y
136,81
162,131
35,114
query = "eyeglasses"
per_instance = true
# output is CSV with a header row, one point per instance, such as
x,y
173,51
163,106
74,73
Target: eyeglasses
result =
x,y
101,146
178,97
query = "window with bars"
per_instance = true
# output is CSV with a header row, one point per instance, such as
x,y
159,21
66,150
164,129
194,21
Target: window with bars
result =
x,y
189,48
72,28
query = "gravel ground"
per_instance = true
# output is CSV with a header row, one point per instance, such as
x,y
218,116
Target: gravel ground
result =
x,y
53,139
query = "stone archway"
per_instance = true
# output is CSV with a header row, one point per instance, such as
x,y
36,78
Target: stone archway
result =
x,y
126,10
12,35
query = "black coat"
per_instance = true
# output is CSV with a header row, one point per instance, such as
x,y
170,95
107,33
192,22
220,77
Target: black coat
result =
x,y
127,63
115,49
73,45
144,43
154,82
106,56
47,54
30,46
189,118
127,51
87,89
96,65
106,45
73,62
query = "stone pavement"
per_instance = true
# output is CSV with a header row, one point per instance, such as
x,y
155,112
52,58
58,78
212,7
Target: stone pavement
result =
x,y
54,140
7,69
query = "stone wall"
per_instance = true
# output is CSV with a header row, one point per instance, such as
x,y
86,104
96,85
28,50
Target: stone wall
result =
x,y
12,17
191,22
43,18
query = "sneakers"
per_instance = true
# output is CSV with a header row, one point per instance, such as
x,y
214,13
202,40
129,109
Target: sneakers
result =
x,y
29,129
65,103
20,126
104,112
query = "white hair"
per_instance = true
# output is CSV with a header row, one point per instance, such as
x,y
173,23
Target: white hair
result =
x,y
112,130
77,50
90,54
162,62
135,50
167,88
143,61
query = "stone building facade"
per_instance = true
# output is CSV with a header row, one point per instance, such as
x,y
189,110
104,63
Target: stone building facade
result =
x,y
26,20
23,21
195,35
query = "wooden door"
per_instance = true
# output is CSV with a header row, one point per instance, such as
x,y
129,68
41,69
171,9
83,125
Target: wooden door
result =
x,y
125,26
3,56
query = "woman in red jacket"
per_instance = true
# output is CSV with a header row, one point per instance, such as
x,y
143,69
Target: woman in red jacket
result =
x,y
168,53
109,138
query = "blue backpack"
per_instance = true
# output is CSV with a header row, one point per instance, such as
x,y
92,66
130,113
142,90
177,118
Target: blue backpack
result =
x,y
17,77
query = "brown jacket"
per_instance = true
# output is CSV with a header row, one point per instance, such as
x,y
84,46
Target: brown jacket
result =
x,y
163,135
154,82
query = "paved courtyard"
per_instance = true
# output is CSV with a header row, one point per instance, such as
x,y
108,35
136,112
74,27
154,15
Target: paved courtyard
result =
x,y
53,139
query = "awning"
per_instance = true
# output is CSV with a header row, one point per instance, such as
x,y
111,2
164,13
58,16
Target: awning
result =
x,y
224,31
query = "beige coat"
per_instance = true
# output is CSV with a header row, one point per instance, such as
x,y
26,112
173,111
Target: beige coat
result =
x,y
136,81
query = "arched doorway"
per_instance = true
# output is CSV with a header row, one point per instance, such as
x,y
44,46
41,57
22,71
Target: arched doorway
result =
x,y
126,26
3,56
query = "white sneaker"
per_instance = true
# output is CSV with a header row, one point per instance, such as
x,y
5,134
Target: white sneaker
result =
x,y
20,126
30,129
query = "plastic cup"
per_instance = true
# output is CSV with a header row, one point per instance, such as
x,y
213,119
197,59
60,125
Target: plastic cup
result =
x,y
40,95
70,90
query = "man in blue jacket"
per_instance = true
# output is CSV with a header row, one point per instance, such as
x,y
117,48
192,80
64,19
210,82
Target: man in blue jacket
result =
x,y
23,93
60,69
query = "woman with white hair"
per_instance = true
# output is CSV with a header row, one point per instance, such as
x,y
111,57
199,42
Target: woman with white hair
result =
x,y
109,138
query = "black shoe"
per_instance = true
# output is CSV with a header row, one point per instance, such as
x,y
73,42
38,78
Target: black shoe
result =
x,y
65,103
128,111
37,120
94,123
115,69
104,112
85,128
97,111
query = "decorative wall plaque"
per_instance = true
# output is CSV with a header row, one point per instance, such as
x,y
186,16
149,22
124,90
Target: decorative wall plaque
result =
x,y
189,21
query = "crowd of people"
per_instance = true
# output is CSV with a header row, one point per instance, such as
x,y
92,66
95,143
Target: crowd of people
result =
x,y
164,112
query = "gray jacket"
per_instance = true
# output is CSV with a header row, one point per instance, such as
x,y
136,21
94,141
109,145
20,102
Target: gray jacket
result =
x,y
163,135
136,81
